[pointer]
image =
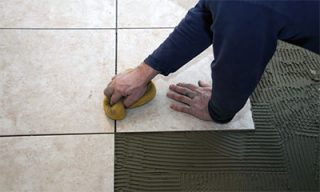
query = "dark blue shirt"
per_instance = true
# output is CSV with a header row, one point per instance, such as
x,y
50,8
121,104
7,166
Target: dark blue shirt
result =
x,y
244,35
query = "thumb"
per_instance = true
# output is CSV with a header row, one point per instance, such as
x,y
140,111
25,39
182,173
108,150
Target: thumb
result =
x,y
203,84
115,98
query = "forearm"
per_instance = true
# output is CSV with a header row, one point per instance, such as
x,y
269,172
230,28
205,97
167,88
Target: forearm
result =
x,y
189,38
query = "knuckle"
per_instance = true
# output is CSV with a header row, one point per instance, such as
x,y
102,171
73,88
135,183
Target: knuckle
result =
x,y
174,88
184,109
180,89
118,90
180,97
171,94
178,109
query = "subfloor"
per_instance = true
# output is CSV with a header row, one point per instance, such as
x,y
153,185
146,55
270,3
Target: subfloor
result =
x,y
56,57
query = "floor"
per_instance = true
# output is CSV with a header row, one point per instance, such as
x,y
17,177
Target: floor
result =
x,y
56,57
281,154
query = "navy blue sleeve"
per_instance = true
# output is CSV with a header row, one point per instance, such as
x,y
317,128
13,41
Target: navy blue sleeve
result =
x,y
189,38
244,40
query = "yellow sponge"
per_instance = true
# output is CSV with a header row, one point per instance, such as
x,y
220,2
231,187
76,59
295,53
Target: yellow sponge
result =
x,y
118,112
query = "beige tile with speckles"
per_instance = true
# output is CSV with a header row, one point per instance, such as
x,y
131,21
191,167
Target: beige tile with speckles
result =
x,y
57,14
152,13
53,81
133,47
57,163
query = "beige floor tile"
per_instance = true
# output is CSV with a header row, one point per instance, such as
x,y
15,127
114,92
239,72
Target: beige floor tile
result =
x,y
57,163
156,115
53,81
152,13
57,14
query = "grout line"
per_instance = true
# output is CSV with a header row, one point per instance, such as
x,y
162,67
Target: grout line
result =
x,y
57,28
116,28
115,126
116,53
116,35
146,27
56,134
116,71
189,131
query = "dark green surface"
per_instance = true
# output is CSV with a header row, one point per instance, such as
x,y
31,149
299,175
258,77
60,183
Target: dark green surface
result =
x,y
283,153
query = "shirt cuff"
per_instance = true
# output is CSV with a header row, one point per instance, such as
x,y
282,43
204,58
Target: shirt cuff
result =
x,y
218,115
152,62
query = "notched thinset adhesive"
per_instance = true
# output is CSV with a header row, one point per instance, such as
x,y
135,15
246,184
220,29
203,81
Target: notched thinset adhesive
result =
x,y
282,154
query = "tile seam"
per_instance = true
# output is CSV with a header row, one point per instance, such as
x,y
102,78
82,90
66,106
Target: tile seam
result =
x,y
58,28
145,28
116,70
70,28
116,52
55,134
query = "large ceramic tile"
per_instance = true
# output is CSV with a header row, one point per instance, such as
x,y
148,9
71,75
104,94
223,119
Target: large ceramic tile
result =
x,y
57,163
157,115
53,81
57,14
152,13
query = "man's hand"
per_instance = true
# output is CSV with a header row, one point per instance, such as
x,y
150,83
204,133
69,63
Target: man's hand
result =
x,y
131,84
194,99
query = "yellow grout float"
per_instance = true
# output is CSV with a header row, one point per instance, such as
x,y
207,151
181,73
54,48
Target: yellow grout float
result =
x,y
118,110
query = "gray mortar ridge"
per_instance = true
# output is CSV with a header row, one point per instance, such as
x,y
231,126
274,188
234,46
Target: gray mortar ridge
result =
x,y
282,154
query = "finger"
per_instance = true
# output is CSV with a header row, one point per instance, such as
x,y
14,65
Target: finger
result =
x,y
179,89
129,100
179,98
108,91
115,98
135,96
189,86
181,108
203,84
114,77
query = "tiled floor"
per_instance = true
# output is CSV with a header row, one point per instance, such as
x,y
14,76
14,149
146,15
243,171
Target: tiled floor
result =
x,y
57,163
152,13
58,14
56,57
52,80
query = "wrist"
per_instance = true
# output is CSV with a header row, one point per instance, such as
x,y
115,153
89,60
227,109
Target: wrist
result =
x,y
147,72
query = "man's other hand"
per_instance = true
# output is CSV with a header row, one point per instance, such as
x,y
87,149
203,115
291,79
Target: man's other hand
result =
x,y
193,99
